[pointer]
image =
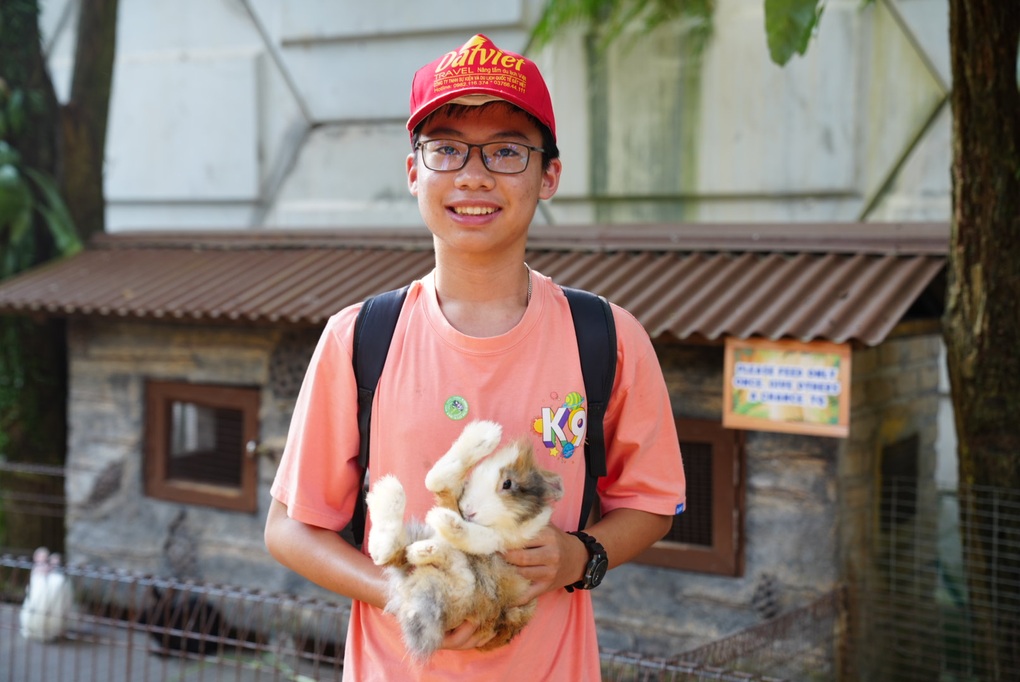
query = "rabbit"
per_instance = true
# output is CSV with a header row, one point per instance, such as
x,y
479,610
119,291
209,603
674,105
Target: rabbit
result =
x,y
49,601
449,568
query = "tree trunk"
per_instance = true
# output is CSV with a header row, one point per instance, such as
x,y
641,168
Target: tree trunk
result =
x,y
85,115
982,320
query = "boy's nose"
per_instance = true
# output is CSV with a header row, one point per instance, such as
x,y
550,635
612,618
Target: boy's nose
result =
x,y
475,172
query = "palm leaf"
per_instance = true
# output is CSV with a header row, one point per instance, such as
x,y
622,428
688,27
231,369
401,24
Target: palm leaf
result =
x,y
789,25
608,20
55,212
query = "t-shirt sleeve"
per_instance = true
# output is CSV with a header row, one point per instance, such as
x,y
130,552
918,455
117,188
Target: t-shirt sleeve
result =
x,y
318,476
644,465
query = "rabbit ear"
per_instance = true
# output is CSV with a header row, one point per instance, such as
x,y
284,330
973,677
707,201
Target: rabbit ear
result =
x,y
555,485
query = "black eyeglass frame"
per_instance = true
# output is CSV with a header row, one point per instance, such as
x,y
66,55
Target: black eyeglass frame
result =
x,y
467,156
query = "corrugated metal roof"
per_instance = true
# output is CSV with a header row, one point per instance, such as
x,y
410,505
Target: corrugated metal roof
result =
x,y
843,282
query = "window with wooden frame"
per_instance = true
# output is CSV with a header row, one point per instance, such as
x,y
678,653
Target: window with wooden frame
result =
x,y
708,536
200,444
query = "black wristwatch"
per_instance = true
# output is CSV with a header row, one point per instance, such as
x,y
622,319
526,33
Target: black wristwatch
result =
x,y
598,563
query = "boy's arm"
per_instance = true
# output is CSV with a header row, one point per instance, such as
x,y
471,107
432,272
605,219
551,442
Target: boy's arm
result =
x,y
624,533
322,556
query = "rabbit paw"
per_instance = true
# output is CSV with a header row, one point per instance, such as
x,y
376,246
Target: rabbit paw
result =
x,y
386,502
477,440
446,522
423,552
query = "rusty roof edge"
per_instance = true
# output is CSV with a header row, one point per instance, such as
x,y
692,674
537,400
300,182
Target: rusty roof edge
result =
x,y
898,238
395,238
908,238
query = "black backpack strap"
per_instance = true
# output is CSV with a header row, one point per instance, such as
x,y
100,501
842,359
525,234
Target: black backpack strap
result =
x,y
595,330
373,331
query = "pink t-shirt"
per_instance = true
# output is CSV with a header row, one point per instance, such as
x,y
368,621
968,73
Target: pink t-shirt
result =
x,y
435,381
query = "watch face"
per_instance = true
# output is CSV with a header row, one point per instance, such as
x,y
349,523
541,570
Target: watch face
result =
x,y
597,571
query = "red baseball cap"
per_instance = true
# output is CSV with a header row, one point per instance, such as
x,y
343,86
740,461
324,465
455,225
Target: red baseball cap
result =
x,y
476,73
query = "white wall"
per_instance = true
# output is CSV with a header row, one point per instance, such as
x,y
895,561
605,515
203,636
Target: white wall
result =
x,y
260,113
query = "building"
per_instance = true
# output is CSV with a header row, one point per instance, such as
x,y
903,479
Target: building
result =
x,y
168,330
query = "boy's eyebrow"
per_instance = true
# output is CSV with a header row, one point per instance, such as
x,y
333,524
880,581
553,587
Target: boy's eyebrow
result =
x,y
444,133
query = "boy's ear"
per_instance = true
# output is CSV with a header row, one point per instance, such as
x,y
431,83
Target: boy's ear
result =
x,y
412,174
550,179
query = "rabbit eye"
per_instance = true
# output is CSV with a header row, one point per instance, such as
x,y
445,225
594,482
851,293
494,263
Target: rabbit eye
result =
x,y
508,484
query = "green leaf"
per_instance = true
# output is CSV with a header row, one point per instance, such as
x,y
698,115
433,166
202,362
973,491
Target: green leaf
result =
x,y
55,212
15,201
64,236
17,255
8,155
558,14
789,25
20,225
609,20
16,111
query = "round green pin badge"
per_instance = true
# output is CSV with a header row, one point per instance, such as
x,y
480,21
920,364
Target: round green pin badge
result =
x,y
456,407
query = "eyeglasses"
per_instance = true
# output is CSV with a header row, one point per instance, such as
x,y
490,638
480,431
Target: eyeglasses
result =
x,y
498,157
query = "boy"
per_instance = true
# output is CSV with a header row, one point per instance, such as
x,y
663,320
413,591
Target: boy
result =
x,y
481,337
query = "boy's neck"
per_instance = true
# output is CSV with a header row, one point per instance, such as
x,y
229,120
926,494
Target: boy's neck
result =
x,y
483,302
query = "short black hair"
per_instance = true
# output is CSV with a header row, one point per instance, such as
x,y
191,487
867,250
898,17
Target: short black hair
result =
x,y
457,110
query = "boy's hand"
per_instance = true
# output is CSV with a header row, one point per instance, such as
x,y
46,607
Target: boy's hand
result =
x,y
465,636
548,562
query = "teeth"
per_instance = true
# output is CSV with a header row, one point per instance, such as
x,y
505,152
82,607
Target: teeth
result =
x,y
473,210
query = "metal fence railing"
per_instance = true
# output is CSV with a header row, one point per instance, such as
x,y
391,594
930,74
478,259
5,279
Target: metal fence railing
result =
x,y
926,607
800,645
128,628
32,504
920,614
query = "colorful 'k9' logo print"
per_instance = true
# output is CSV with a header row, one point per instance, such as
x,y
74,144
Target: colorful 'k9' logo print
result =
x,y
563,427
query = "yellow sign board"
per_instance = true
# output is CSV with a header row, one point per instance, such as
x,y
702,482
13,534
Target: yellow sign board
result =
x,y
787,386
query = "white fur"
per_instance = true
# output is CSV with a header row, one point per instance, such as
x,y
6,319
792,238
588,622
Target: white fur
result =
x,y
477,440
386,502
49,601
450,569
489,525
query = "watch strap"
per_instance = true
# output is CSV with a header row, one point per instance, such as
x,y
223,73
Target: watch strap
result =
x,y
596,556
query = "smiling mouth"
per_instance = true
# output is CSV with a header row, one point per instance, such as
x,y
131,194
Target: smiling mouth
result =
x,y
473,210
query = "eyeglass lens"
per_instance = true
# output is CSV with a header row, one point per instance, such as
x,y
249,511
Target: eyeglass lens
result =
x,y
498,157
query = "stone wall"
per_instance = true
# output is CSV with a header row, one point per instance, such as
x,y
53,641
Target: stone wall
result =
x,y
896,401
895,397
109,520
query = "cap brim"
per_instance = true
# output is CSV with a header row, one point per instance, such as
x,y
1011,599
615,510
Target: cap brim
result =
x,y
451,98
